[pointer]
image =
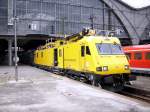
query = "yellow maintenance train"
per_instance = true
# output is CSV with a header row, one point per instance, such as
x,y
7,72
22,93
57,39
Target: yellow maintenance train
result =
x,y
88,56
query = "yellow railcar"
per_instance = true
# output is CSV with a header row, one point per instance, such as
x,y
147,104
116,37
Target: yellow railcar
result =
x,y
94,58
43,56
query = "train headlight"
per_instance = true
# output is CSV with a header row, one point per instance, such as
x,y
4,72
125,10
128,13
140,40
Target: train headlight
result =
x,y
105,68
99,69
126,67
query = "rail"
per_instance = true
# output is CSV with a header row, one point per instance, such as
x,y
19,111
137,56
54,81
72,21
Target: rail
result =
x,y
136,93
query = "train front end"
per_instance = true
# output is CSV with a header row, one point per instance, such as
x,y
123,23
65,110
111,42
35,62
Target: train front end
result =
x,y
112,59
111,64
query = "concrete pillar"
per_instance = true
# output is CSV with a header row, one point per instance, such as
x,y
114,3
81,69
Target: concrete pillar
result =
x,y
10,52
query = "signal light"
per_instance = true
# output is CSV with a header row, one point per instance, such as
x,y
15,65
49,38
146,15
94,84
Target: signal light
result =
x,y
126,67
105,68
99,69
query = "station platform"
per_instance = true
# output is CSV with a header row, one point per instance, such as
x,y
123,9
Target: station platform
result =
x,y
41,91
142,82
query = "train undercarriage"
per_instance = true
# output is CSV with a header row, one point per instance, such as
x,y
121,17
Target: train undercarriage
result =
x,y
113,83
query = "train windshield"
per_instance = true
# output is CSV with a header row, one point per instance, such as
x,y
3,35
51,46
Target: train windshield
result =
x,y
106,48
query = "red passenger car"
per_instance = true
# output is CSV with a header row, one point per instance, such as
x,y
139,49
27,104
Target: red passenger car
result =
x,y
139,58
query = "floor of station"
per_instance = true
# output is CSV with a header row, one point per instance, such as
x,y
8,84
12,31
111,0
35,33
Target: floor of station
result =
x,y
41,91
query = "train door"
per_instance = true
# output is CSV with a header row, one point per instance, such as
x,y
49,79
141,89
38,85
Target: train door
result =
x,y
61,58
82,58
55,57
87,58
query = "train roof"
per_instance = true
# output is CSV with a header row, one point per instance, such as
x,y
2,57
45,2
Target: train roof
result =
x,y
102,39
137,47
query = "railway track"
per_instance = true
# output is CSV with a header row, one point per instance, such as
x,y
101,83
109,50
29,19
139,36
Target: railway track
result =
x,y
136,93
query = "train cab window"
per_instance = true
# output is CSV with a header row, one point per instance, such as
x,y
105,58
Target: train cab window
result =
x,y
138,56
82,50
128,55
88,50
60,53
109,49
147,56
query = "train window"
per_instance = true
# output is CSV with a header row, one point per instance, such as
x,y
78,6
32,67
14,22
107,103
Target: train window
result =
x,y
82,50
138,56
42,54
116,49
128,55
61,43
148,56
105,48
60,52
88,50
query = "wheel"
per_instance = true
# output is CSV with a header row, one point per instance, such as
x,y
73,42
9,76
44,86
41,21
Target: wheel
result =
x,y
94,80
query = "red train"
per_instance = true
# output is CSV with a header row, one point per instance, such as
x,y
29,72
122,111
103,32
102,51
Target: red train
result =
x,y
139,58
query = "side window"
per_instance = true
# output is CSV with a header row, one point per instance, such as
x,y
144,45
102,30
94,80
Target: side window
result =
x,y
37,55
147,56
42,54
82,50
60,52
128,55
137,56
88,50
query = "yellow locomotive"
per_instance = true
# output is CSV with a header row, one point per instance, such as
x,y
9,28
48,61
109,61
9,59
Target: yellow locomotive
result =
x,y
88,56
